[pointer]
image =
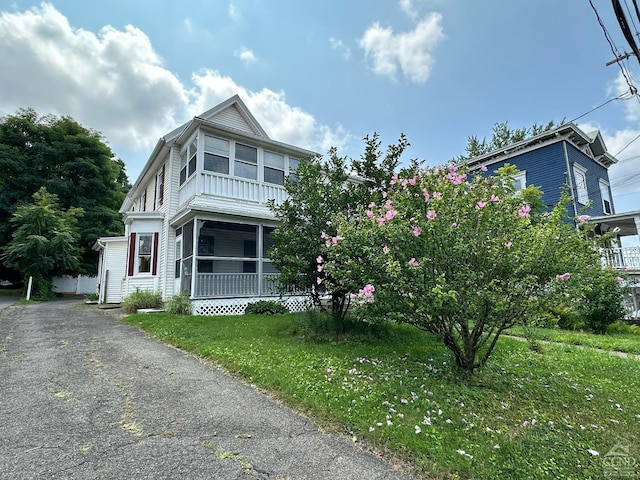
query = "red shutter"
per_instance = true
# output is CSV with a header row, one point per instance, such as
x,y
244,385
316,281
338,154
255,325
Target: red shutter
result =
x,y
132,254
154,265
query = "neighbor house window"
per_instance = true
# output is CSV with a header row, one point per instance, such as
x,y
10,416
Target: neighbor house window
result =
x,y
607,206
216,155
160,188
580,176
143,253
246,162
520,180
273,168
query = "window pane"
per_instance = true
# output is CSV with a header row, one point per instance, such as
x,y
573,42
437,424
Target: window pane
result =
x,y
187,239
144,264
216,163
293,164
247,154
205,266
267,241
216,145
205,243
183,175
272,175
245,170
192,165
144,244
274,160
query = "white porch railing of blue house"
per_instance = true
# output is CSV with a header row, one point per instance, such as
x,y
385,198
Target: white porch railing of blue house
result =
x,y
231,187
622,258
220,285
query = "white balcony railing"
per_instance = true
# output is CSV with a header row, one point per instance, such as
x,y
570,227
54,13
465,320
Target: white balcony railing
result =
x,y
623,258
231,187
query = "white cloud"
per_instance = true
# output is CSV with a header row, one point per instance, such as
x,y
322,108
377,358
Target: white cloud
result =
x,y
115,82
410,52
247,56
338,46
408,7
234,12
111,81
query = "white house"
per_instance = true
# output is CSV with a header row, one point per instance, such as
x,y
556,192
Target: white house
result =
x,y
197,220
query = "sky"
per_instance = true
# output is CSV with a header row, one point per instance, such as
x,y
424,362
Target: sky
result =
x,y
318,74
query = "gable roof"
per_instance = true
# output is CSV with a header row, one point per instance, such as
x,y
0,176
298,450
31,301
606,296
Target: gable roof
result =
x,y
567,132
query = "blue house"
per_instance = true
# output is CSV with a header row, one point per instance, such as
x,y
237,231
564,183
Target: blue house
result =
x,y
555,158
567,157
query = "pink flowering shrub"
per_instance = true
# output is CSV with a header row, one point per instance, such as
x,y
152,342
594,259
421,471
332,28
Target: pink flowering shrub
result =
x,y
461,256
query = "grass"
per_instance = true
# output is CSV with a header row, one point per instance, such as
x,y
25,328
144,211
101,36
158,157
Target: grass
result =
x,y
10,292
621,342
525,415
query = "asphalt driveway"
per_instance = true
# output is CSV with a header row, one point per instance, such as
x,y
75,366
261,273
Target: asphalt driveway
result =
x,y
83,396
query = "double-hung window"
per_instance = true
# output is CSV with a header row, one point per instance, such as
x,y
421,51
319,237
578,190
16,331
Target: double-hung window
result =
x,y
246,162
188,160
607,207
143,253
580,176
273,168
216,155
293,168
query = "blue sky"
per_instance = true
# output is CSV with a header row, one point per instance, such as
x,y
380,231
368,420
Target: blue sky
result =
x,y
325,73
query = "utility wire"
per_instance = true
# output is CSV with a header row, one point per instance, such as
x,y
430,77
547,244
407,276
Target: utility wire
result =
x,y
625,147
619,97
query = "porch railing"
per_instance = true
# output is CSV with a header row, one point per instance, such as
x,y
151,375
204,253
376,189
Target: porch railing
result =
x,y
214,285
231,187
622,257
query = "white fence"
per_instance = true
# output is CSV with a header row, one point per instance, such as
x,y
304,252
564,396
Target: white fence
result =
x,y
80,285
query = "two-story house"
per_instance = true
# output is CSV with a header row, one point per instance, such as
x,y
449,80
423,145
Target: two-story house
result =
x,y
566,157
197,220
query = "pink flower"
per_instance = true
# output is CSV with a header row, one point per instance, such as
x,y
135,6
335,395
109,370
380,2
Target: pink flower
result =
x,y
413,262
425,192
319,259
370,215
366,294
483,168
412,181
495,198
480,205
417,231
524,211
619,279
319,268
437,195
336,239
563,277
324,235
386,249
390,214
384,194
405,182
507,244
583,218
319,280
372,205
431,214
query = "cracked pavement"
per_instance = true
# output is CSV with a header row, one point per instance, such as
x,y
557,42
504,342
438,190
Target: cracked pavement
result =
x,y
84,396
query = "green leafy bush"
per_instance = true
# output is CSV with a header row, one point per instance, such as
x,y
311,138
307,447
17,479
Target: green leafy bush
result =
x,y
623,327
265,307
179,305
141,299
601,303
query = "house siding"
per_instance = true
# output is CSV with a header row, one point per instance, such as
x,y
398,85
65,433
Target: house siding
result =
x,y
114,252
231,117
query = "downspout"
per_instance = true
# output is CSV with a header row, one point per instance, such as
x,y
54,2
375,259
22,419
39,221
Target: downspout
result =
x,y
570,179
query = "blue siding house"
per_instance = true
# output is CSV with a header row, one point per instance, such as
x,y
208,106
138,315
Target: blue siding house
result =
x,y
555,158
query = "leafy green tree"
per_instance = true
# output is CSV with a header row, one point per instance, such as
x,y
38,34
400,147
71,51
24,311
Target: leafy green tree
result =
x,y
72,162
322,189
457,256
44,241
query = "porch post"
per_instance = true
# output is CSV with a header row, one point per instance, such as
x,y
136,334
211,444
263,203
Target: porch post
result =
x,y
259,255
636,219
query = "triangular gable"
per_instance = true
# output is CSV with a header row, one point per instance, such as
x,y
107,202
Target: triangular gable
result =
x,y
235,114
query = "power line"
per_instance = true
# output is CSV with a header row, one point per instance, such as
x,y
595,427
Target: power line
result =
x,y
625,147
619,97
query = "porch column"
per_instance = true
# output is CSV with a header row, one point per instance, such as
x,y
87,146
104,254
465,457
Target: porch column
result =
x,y
636,219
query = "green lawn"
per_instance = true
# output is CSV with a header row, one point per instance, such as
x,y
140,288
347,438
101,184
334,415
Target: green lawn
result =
x,y
525,415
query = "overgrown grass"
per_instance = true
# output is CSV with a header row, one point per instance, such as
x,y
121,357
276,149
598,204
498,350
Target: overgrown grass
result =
x,y
10,292
621,342
525,415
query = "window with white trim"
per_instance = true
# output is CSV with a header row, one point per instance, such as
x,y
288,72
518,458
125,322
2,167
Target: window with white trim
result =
x,y
143,201
607,206
520,180
246,162
273,168
188,159
144,254
580,177
216,155
293,168
160,188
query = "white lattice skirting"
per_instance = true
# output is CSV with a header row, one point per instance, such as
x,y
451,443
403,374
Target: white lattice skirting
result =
x,y
236,306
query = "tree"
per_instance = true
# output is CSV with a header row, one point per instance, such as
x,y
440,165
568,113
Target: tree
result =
x,y
321,190
73,163
501,137
457,256
44,241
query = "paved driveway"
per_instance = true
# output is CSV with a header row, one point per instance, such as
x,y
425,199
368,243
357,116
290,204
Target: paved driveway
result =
x,y
83,396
